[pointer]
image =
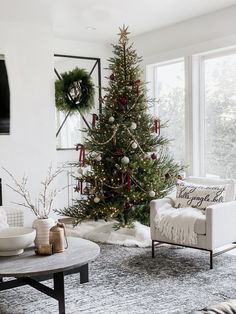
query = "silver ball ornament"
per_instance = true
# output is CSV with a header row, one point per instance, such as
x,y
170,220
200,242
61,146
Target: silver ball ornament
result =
x,y
125,160
152,193
96,199
134,145
98,157
111,119
133,126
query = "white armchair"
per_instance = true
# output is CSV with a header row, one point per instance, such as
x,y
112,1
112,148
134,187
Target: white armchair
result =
x,y
214,230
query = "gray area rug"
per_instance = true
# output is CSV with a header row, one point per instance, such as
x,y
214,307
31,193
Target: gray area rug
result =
x,y
127,280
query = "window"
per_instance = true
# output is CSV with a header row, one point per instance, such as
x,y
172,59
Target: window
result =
x,y
70,133
219,101
70,127
197,96
170,93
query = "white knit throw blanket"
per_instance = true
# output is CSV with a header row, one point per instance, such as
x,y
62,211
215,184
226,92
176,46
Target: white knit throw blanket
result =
x,y
177,224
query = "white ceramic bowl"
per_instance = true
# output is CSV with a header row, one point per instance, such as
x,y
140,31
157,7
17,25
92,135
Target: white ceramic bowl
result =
x,y
14,240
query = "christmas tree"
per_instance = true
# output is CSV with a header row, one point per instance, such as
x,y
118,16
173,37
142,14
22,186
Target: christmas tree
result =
x,y
125,151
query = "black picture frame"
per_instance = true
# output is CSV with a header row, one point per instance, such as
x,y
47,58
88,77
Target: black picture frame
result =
x,y
95,66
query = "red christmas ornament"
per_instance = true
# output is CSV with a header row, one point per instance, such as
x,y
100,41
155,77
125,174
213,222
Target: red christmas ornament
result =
x,y
153,156
119,152
112,77
122,100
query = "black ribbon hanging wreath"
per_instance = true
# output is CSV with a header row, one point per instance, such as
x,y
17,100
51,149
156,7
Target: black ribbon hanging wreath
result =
x,y
74,91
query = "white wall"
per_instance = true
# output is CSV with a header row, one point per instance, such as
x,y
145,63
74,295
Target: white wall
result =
x,y
31,146
26,41
211,31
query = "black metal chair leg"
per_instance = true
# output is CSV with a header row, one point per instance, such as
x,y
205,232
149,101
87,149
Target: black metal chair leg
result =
x,y
211,259
153,249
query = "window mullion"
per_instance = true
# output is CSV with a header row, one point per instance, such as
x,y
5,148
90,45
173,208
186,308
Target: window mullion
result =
x,y
202,116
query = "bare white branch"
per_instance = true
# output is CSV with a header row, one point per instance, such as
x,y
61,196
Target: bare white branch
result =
x,y
43,205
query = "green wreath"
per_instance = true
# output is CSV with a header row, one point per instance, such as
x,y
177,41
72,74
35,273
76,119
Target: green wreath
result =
x,y
74,91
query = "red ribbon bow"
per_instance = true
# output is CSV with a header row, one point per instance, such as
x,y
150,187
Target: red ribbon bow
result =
x,y
119,152
157,126
95,118
126,179
79,187
82,154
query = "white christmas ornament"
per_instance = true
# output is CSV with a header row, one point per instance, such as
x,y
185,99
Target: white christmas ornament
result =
x,y
111,119
96,199
134,145
125,160
152,193
98,157
133,126
80,170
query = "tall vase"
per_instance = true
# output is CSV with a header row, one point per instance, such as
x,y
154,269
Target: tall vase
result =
x,y
42,227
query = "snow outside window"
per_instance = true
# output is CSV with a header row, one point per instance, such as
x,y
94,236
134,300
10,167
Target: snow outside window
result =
x,y
219,91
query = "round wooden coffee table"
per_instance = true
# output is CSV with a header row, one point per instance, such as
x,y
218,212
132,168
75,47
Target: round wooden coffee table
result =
x,y
30,269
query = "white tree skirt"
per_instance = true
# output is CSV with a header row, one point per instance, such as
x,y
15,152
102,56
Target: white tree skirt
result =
x,y
103,232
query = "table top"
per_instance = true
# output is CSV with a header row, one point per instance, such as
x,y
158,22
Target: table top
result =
x,y
79,253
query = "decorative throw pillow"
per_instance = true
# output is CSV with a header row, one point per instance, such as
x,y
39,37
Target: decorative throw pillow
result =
x,y
3,218
199,196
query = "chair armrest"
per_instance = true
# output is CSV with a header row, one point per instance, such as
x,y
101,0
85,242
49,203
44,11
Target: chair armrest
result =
x,y
158,203
220,223
15,217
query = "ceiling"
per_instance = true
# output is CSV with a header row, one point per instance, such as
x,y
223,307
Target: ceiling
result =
x,y
98,20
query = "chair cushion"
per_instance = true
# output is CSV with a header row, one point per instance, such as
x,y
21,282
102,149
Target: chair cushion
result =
x,y
199,196
200,225
230,183
3,218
